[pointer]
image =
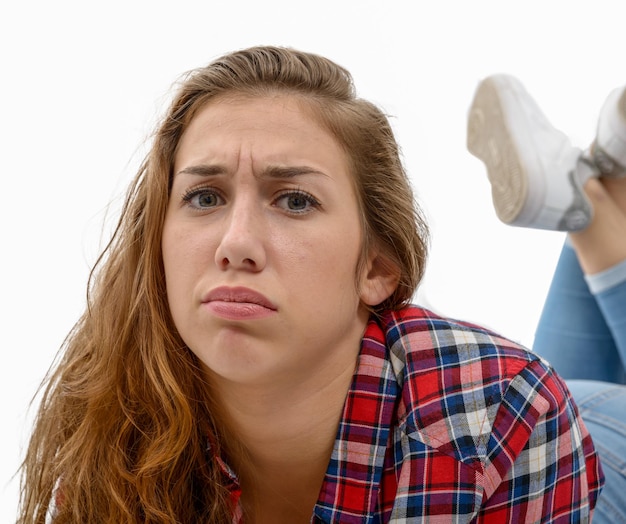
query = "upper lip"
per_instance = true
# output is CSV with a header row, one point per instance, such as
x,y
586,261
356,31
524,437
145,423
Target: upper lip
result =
x,y
242,295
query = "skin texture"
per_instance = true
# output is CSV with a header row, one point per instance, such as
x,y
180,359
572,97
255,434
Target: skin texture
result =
x,y
603,243
262,198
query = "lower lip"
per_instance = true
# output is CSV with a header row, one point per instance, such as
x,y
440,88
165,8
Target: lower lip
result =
x,y
238,310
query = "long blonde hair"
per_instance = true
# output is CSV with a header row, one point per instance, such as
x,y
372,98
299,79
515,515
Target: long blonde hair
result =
x,y
126,415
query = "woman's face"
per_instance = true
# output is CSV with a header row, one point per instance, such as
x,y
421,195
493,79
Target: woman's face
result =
x,y
261,242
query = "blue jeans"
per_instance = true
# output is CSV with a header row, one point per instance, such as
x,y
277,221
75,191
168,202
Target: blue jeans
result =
x,y
603,406
583,335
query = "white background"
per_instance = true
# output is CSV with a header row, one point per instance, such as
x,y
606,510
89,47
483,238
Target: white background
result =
x,y
82,84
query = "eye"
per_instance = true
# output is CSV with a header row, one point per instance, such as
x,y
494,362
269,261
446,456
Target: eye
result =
x,y
202,198
297,202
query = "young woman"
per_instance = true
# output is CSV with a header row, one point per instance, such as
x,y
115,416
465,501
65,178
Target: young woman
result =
x,y
540,181
249,353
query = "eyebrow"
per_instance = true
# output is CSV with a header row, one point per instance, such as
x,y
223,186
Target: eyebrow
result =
x,y
278,172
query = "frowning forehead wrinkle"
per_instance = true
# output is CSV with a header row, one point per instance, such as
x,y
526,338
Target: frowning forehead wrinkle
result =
x,y
280,172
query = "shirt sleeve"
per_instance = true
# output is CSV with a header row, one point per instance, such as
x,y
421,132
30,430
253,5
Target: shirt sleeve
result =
x,y
541,465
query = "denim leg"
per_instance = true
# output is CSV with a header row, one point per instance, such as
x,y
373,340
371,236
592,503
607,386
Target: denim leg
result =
x,y
572,333
603,408
612,303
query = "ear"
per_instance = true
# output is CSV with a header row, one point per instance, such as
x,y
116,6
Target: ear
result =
x,y
379,279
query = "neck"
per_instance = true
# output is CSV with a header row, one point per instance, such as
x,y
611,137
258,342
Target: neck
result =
x,y
275,422
288,429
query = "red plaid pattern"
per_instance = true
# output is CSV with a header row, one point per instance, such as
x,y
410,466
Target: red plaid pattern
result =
x,y
448,422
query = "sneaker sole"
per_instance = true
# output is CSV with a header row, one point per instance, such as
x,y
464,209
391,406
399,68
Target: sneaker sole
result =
x,y
496,149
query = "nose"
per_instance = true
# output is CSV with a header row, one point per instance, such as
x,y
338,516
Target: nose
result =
x,y
242,242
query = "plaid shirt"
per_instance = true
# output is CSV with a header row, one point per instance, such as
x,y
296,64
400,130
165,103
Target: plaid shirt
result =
x,y
448,422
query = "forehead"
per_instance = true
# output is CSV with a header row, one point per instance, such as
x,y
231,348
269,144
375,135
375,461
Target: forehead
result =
x,y
237,111
279,128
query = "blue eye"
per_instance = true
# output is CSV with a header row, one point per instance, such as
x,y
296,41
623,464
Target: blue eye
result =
x,y
297,202
202,198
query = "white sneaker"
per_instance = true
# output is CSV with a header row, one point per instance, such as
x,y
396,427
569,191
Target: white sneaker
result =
x,y
536,175
609,148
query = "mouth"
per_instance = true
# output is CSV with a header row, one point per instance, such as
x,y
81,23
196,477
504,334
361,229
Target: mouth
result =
x,y
239,295
238,303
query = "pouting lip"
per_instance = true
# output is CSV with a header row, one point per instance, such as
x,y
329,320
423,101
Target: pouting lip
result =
x,y
242,295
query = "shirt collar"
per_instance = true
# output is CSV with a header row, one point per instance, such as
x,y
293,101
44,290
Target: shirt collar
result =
x,y
350,489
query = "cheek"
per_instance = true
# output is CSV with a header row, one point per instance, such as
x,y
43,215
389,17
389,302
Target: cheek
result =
x,y
171,249
184,246
184,255
324,260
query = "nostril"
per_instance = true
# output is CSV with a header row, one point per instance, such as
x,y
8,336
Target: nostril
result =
x,y
245,262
